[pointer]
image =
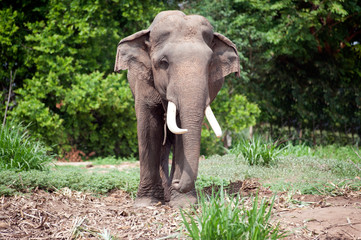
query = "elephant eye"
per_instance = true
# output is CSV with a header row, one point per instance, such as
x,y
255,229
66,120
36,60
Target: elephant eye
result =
x,y
163,63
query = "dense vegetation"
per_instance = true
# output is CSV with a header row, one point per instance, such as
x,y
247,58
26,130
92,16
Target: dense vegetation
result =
x,y
300,61
300,64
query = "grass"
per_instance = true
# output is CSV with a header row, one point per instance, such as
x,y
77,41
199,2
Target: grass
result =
x,y
294,169
19,151
257,151
223,217
12,182
306,175
297,169
111,160
347,153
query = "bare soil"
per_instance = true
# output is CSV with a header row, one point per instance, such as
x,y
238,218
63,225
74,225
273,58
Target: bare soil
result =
x,y
68,214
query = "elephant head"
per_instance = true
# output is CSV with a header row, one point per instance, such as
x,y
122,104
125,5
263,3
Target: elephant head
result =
x,y
176,66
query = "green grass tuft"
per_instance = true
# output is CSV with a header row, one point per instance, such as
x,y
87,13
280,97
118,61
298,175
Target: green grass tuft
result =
x,y
224,217
19,151
257,151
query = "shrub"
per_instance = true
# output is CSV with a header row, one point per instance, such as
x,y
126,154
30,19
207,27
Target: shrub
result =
x,y
224,217
95,113
234,113
19,151
257,152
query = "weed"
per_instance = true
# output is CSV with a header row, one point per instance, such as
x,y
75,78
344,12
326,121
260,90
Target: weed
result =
x,y
257,152
78,228
224,217
106,235
19,151
297,150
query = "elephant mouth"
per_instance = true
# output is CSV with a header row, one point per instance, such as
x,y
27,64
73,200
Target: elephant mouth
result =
x,y
172,124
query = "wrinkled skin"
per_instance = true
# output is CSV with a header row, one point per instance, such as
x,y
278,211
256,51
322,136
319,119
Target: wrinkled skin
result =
x,y
179,59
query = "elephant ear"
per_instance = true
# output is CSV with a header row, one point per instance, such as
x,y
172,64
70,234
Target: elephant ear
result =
x,y
132,55
225,60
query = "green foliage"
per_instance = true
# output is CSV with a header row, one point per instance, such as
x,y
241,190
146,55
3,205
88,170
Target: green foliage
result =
x,y
300,62
75,179
256,151
94,114
68,93
234,113
299,59
224,217
19,151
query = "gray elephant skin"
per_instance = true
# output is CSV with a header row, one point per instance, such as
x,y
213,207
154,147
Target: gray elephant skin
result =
x,y
175,69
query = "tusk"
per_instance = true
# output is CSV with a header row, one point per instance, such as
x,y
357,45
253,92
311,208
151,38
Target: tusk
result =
x,y
171,122
213,122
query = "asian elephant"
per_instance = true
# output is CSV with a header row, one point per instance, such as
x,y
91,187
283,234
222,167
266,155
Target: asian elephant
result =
x,y
175,69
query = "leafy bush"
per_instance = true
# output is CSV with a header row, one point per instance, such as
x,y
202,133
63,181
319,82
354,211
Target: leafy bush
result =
x,y
64,52
94,113
257,152
234,113
19,151
224,217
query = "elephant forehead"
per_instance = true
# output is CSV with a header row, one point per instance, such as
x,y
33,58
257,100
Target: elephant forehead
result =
x,y
180,27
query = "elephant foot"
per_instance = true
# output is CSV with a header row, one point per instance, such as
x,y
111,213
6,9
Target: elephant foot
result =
x,y
147,201
182,200
149,195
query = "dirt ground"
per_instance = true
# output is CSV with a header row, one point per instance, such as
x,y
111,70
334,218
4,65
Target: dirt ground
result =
x,y
67,214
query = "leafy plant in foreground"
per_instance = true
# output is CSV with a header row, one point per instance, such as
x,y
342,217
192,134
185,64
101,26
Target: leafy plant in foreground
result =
x,y
19,151
224,217
257,152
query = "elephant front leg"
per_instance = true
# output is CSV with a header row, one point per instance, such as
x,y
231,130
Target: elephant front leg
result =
x,y
150,136
179,167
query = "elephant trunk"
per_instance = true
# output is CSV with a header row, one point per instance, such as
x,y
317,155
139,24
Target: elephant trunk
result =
x,y
191,150
191,107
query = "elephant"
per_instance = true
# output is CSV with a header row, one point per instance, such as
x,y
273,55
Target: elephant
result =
x,y
175,69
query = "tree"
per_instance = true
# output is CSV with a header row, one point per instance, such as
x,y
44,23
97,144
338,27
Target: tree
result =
x,y
300,59
71,98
